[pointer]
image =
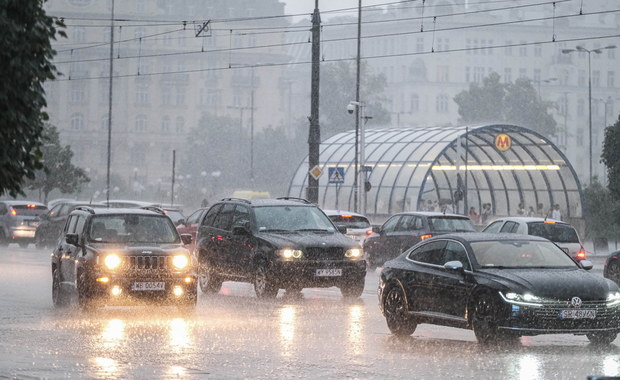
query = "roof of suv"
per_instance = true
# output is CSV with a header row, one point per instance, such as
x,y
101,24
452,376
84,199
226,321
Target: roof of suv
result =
x,y
13,202
116,211
271,202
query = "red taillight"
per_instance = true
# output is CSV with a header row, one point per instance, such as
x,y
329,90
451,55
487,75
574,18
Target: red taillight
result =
x,y
13,212
581,255
369,232
346,216
31,206
424,237
549,222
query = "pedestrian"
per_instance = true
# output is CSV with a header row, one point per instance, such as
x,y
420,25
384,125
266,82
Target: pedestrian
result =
x,y
531,212
555,212
540,210
486,213
474,216
521,209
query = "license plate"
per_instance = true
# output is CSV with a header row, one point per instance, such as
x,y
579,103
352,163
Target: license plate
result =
x,y
148,286
577,314
328,272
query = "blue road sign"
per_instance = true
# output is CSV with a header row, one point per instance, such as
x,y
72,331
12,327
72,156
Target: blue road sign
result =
x,y
336,174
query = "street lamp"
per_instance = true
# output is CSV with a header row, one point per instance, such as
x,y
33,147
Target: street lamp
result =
x,y
596,51
360,156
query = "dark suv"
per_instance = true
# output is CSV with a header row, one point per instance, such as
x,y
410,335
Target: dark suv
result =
x,y
19,221
276,243
406,229
110,256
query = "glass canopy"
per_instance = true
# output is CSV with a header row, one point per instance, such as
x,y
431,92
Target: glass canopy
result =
x,y
509,167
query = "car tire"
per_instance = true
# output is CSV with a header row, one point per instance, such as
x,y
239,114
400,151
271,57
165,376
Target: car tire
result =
x,y
353,289
604,338
209,282
86,301
59,298
613,271
484,319
395,311
263,285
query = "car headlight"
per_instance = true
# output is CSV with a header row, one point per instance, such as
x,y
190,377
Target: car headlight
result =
x,y
180,261
524,299
112,261
354,253
288,253
613,299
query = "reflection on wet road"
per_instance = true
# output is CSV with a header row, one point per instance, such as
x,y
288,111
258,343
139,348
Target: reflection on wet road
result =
x,y
233,335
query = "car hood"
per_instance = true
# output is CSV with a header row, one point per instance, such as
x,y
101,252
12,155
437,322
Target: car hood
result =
x,y
301,239
551,283
138,250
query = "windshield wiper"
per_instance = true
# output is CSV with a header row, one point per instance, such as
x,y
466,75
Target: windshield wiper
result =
x,y
274,230
313,229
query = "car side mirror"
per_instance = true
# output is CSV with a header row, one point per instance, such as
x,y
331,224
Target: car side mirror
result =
x,y
342,229
72,239
186,239
241,231
455,266
586,264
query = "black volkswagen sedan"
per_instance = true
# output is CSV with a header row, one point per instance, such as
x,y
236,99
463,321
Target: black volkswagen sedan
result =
x,y
502,286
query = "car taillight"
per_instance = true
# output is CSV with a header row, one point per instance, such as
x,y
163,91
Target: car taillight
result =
x,y
13,212
424,237
369,232
581,255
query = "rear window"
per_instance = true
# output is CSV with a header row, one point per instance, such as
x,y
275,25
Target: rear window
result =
x,y
556,232
28,210
450,224
350,221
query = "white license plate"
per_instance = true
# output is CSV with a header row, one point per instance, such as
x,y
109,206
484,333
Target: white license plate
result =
x,y
577,314
328,272
148,286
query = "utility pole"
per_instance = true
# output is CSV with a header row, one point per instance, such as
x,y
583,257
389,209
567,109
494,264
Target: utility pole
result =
x,y
314,135
110,103
356,181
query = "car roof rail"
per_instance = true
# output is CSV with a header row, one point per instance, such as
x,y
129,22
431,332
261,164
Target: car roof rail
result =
x,y
237,199
295,199
154,209
85,208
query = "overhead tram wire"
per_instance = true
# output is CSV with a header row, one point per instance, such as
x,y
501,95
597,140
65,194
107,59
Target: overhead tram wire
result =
x,y
543,42
335,39
121,41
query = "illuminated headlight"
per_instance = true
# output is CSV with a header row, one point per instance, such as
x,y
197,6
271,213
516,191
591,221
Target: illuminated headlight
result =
x,y
613,299
354,253
180,261
112,261
522,299
288,253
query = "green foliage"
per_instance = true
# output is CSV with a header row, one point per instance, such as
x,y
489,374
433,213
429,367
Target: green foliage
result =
x,y
602,218
26,60
58,172
338,89
611,158
515,103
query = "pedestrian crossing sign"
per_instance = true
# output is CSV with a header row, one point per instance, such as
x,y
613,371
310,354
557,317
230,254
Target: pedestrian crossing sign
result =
x,y
336,174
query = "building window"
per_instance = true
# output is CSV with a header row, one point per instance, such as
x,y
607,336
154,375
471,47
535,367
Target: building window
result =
x,y
611,53
180,96
537,75
596,78
142,95
522,73
212,97
78,93
78,34
508,49
77,122
442,103
166,96
581,78
478,74
537,51
507,75
467,74
180,124
580,137
165,124
610,79
420,44
581,107
442,74
141,124
414,104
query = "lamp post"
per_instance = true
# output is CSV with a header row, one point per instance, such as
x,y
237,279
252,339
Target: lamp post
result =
x,y
596,51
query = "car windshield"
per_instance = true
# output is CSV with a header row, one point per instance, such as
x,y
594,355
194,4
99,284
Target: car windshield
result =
x,y
451,224
520,254
292,218
350,221
131,228
556,232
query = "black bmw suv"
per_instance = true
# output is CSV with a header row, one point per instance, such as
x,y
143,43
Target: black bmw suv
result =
x,y
109,256
279,243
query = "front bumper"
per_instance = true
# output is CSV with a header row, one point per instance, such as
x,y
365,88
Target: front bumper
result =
x,y
324,273
529,320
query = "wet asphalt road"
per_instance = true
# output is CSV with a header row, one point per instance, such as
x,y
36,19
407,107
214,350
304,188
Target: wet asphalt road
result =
x,y
233,335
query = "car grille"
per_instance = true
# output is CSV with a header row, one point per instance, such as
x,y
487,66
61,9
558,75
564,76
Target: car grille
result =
x,y
148,262
318,253
550,312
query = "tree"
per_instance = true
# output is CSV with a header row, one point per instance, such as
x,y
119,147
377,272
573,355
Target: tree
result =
x,y
515,103
602,220
58,172
611,158
26,60
338,89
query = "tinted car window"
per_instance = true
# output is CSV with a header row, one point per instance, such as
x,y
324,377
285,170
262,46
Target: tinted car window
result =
x,y
223,219
291,218
510,227
193,219
456,252
556,232
241,217
520,254
72,223
54,211
407,223
450,224
390,225
431,253
210,218
350,221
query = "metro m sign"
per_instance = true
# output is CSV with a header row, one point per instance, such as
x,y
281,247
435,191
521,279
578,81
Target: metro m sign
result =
x,y
503,142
